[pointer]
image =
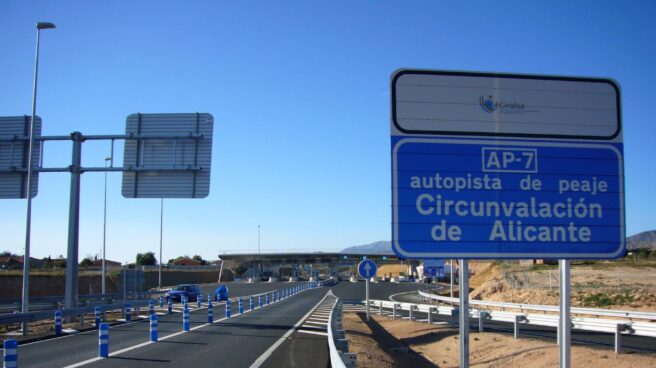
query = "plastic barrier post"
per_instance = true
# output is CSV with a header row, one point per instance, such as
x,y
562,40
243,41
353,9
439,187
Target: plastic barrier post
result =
x,y
128,313
58,322
96,314
161,302
266,301
103,340
210,312
185,319
241,306
170,306
151,307
259,300
209,297
227,307
199,300
251,304
10,359
153,327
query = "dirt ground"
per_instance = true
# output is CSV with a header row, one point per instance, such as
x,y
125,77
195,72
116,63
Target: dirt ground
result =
x,y
628,287
387,343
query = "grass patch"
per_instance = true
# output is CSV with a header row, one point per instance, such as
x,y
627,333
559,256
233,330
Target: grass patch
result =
x,y
601,300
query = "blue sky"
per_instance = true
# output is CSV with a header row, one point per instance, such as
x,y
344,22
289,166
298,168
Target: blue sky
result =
x,y
300,96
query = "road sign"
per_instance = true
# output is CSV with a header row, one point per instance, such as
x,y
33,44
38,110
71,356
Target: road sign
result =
x,y
506,166
161,167
14,148
367,268
433,267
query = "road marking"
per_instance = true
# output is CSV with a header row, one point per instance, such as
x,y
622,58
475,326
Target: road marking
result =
x,y
259,361
315,327
313,332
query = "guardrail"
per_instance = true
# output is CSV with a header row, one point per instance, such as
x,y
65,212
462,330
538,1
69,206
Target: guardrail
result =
x,y
547,308
337,344
12,305
614,326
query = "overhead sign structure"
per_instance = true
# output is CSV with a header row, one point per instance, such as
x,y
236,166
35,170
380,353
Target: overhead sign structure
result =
x,y
14,156
367,268
506,166
161,167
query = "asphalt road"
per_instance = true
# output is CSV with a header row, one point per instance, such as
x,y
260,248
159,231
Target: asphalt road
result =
x,y
71,349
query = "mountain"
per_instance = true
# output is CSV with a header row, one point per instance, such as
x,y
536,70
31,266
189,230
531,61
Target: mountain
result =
x,y
645,239
379,247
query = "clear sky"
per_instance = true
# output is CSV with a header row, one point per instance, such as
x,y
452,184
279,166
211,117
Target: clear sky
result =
x,y
300,95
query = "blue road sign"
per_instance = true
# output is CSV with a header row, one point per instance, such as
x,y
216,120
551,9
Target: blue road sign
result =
x,y
367,268
493,186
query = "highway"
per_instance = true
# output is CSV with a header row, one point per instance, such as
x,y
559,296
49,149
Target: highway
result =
x,y
289,333
244,340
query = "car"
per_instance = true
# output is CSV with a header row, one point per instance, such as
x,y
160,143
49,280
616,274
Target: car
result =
x,y
191,291
221,293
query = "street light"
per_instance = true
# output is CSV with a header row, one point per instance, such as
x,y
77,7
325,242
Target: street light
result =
x,y
26,255
107,160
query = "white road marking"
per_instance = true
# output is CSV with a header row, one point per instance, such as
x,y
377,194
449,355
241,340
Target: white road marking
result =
x,y
313,332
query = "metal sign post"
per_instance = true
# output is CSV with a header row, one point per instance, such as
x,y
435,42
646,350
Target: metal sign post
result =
x,y
463,315
367,269
565,326
173,149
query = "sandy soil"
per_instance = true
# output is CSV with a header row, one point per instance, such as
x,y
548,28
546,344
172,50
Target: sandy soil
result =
x,y
400,343
635,290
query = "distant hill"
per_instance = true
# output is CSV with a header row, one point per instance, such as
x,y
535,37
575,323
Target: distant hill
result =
x,y
645,239
379,247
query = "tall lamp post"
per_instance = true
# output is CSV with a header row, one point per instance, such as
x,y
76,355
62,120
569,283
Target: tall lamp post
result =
x,y
107,160
28,226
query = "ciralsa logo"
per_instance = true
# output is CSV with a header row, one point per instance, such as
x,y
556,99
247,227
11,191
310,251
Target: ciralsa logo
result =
x,y
487,103
490,105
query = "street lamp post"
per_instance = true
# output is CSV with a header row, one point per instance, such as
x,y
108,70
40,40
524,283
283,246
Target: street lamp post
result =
x,y
259,252
104,290
28,225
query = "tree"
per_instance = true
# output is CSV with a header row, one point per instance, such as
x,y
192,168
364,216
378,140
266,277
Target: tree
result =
x,y
146,259
86,262
199,259
6,254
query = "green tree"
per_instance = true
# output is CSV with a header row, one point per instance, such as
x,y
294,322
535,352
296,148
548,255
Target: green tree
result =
x,y
146,259
86,262
199,259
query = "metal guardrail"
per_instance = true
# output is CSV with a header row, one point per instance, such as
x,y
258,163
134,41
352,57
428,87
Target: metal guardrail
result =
x,y
337,343
548,308
614,326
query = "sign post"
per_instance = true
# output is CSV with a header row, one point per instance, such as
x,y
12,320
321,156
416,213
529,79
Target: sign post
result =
x,y
367,269
506,166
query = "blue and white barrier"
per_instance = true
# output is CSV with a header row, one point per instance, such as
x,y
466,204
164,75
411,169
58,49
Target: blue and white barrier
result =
x,y
170,305
58,322
151,307
266,301
251,304
209,297
241,306
259,301
210,312
185,319
227,307
96,314
128,313
10,359
103,340
199,301
153,327
161,302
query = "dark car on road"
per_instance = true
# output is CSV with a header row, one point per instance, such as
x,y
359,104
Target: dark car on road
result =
x,y
191,291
